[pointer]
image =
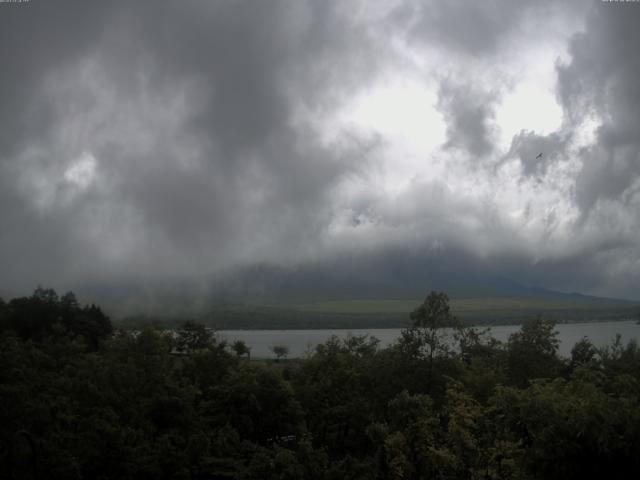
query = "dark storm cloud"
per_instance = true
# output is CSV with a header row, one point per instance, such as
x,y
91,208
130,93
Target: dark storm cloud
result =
x,y
474,29
34,40
537,152
188,112
468,113
602,78
599,84
467,27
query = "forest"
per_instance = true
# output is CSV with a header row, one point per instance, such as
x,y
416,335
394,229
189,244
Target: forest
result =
x,y
82,399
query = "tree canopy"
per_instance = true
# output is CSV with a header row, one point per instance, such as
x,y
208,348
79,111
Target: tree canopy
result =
x,y
127,407
44,313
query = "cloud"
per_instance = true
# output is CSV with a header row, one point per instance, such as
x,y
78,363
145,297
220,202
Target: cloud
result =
x,y
468,28
149,141
601,81
468,113
598,87
537,152
176,127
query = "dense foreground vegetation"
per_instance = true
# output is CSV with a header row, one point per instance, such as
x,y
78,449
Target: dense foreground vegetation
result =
x,y
79,400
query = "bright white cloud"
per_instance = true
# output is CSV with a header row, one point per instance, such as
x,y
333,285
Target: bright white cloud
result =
x,y
82,171
402,111
531,107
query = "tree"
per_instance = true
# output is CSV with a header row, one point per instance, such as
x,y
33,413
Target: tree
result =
x,y
582,352
414,447
193,336
426,336
280,351
90,322
257,402
241,348
361,345
532,352
45,295
4,316
44,314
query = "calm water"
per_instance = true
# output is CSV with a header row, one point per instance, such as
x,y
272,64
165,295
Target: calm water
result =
x,y
300,341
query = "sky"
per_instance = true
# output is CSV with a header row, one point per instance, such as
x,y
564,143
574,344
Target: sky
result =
x,y
184,139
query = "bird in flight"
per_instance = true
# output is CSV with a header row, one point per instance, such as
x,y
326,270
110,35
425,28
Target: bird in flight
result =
x,y
539,156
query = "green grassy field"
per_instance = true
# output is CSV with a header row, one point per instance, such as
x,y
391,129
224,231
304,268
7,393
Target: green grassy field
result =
x,y
459,306
394,313
486,310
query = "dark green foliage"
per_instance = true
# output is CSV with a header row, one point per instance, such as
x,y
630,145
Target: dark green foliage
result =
x,y
241,348
428,341
192,336
532,352
44,314
335,387
571,429
152,404
582,353
280,351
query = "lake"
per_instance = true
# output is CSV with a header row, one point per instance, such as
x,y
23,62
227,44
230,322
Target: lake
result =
x,y
301,341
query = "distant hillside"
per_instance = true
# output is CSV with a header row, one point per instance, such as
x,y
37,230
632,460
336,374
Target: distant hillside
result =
x,y
387,276
359,291
394,313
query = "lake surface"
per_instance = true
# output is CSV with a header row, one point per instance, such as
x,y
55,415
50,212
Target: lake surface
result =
x,y
301,341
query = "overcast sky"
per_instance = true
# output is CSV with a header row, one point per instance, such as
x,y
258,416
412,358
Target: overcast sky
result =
x,y
175,139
